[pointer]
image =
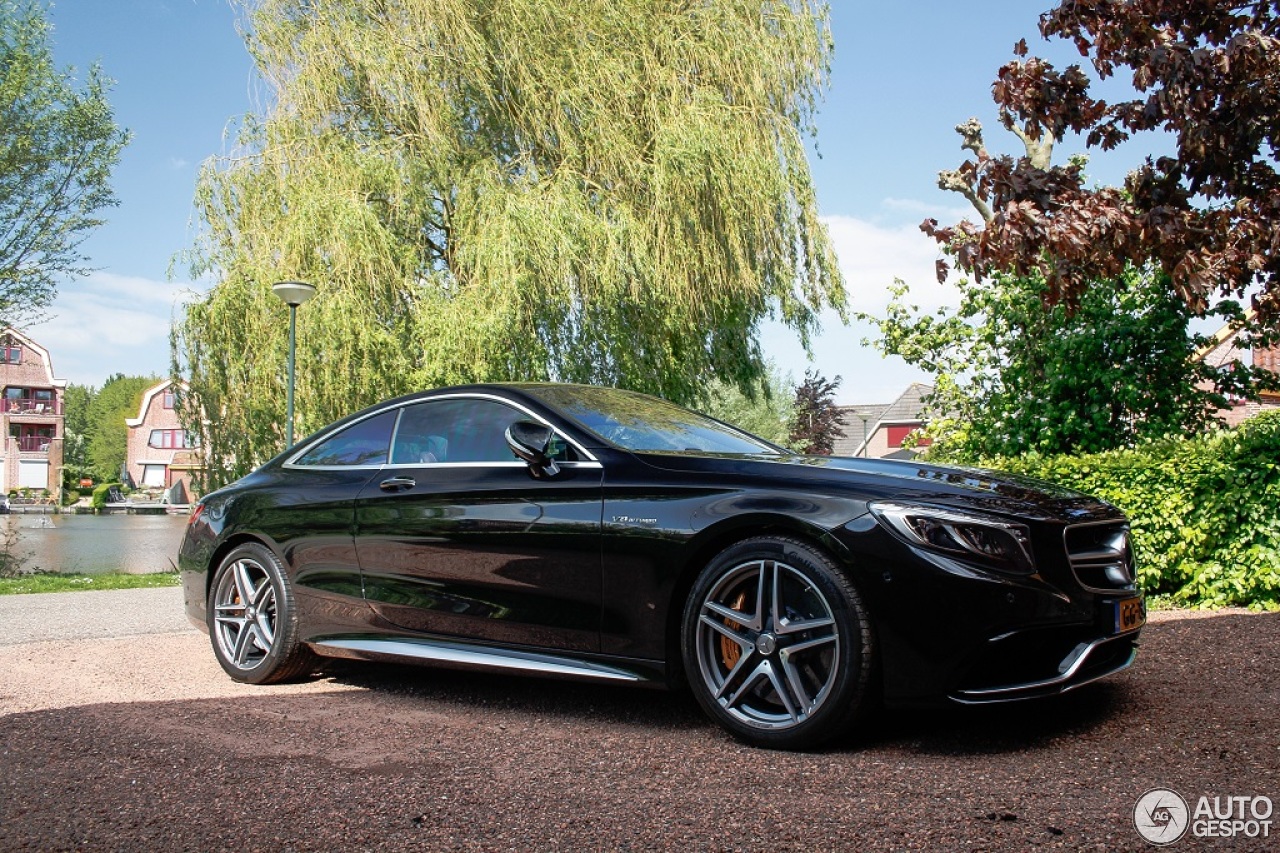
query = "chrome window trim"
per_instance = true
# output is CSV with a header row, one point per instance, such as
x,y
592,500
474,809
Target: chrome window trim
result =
x,y
587,466
589,460
515,463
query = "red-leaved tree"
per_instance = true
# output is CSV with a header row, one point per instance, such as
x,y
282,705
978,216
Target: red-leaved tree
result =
x,y
817,421
1205,71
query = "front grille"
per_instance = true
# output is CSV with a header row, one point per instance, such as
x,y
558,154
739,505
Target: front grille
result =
x,y
1101,556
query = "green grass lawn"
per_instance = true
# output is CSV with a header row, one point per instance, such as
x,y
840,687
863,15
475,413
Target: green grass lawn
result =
x,y
58,582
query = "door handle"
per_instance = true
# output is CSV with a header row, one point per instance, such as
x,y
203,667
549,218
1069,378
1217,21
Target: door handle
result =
x,y
397,484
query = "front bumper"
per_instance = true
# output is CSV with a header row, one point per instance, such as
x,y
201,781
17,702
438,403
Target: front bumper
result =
x,y
952,632
1086,662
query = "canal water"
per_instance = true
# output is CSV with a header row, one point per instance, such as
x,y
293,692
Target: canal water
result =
x,y
90,544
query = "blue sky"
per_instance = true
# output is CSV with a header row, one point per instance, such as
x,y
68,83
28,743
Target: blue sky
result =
x,y
904,75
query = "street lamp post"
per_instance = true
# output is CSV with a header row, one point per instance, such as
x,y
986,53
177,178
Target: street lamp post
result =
x,y
293,294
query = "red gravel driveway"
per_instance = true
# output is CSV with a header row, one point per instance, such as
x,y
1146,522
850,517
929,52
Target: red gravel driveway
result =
x,y
141,743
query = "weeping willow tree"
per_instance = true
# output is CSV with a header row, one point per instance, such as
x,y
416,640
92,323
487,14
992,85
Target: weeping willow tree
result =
x,y
607,191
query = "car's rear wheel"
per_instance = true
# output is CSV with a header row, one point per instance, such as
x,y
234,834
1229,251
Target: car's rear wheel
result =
x,y
253,621
777,644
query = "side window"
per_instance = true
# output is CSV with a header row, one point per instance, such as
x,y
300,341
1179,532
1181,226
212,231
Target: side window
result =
x,y
363,443
459,430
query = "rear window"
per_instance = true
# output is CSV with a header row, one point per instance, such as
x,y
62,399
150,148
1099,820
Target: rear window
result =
x,y
362,443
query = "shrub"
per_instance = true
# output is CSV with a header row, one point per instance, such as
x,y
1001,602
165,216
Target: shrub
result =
x,y
12,560
99,499
1205,511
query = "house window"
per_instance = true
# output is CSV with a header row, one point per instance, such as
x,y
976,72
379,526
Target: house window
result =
x,y
154,476
168,399
171,439
10,354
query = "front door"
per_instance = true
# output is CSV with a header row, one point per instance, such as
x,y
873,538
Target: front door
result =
x,y
456,538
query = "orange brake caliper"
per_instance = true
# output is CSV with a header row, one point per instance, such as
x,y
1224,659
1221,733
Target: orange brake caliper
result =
x,y
729,650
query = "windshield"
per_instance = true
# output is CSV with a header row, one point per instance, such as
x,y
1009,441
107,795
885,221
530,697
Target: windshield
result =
x,y
642,423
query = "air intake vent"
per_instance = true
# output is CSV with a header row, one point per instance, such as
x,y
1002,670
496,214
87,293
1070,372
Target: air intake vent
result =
x,y
1100,555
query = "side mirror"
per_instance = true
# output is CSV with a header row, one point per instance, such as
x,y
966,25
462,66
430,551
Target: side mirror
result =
x,y
532,442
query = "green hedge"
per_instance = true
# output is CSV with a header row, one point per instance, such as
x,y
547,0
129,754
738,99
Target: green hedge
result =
x,y
1205,511
99,499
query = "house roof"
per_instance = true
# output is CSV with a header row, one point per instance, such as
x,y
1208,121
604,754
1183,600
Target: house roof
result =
x,y
1223,335
186,459
909,407
147,397
862,422
859,422
44,354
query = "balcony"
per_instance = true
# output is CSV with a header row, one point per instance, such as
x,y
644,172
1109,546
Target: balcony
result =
x,y
29,406
33,443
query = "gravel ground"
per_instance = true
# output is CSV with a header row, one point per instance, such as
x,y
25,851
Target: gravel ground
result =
x,y
141,743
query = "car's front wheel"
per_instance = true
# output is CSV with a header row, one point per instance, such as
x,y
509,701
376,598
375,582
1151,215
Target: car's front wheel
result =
x,y
777,644
253,621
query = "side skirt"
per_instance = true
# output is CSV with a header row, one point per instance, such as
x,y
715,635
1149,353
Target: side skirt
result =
x,y
467,656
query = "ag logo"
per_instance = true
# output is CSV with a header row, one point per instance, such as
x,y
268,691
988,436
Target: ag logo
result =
x,y
1161,816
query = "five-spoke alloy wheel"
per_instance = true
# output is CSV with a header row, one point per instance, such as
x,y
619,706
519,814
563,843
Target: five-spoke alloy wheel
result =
x,y
777,645
252,618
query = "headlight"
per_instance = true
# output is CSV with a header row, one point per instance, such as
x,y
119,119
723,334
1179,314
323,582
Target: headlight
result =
x,y
977,539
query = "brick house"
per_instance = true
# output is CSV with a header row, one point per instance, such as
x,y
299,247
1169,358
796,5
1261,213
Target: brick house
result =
x,y
1223,348
879,430
159,452
32,415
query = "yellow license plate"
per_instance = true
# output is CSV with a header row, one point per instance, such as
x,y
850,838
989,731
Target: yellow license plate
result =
x,y
1131,614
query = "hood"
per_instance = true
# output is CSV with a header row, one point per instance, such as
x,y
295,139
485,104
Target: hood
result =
x,y
974,488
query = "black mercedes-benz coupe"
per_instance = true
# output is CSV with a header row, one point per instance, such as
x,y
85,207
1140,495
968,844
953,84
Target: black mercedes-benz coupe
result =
x,y
592,533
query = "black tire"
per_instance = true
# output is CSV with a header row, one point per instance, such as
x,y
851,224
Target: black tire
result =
x,y
253,621
777,644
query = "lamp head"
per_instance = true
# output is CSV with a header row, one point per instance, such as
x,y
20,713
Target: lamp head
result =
x,y
294,293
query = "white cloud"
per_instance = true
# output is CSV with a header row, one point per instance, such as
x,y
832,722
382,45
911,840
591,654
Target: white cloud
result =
x,y
925,210
108,323
871,257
